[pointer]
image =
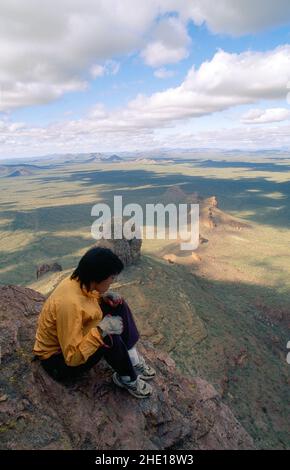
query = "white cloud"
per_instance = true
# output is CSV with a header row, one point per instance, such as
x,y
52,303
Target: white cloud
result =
x,y
169,45
225,81
258,116
111,67
8,127
235,17
251,138
19,93
164,73
49,48
97,70
87,136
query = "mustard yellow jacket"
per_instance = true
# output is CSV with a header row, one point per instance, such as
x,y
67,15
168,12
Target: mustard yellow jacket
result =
x,y
67,324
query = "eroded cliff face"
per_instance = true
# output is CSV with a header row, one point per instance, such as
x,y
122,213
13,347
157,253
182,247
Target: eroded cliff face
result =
x,y
92,413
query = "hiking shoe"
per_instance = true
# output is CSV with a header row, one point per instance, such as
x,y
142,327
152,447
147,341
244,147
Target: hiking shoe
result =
x,y
138,388
143,370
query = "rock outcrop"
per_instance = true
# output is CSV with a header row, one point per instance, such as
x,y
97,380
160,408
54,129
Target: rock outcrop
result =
x,y
91,413
47,268
127,249
210,215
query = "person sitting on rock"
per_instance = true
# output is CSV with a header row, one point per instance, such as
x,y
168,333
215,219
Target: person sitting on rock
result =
x,y
81,322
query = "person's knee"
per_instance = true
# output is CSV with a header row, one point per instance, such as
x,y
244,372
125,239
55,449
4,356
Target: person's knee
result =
x,y
116,345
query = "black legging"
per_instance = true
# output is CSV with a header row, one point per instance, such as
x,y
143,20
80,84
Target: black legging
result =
x,y
116,352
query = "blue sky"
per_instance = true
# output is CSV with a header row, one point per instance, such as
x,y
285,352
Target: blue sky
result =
x,y
82,76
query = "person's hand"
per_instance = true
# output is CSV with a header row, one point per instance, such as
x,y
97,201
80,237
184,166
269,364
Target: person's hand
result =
x,y
112,298
111,325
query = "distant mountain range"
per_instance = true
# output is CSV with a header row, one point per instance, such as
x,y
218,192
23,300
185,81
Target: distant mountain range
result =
x,y
98,157
26,169
161,156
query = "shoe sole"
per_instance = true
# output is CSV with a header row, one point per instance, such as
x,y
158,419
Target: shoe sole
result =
x,y
146,377
134,394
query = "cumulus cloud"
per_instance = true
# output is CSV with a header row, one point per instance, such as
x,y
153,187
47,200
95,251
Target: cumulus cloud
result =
x,y
235,17
225,81
169,45
48,48
51,48
262,116
19,94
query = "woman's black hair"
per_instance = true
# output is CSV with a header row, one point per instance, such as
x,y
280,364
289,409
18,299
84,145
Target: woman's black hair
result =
x,y
96,265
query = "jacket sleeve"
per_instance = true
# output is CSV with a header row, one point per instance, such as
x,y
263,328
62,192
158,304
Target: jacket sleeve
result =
x,y
76,347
